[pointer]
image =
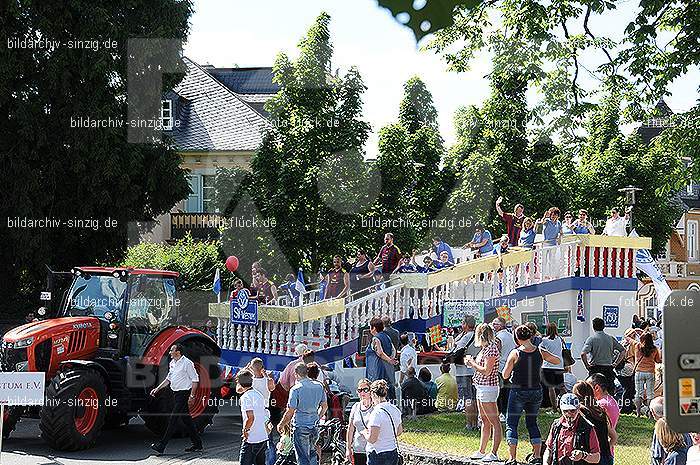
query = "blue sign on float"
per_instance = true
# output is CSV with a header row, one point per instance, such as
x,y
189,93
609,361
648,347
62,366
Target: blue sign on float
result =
x,y
243,310
611,316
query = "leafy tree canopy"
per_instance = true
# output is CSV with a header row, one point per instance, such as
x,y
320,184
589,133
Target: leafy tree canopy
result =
x,y
79,176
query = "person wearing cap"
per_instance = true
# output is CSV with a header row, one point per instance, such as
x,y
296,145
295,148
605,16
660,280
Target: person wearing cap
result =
x,y
572,439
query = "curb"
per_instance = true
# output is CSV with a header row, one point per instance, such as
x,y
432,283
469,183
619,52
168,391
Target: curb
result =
x,y
413,455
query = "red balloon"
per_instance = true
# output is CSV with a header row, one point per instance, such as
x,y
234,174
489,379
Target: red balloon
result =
x,y
232,263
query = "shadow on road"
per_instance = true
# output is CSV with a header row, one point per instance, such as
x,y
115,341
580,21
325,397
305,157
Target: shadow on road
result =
x,y
130,444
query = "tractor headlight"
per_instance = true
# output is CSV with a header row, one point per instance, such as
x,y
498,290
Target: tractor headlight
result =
x,y
22,366
22,343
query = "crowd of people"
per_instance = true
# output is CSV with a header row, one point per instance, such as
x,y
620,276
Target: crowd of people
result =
x,y
503,374
494,373
365,275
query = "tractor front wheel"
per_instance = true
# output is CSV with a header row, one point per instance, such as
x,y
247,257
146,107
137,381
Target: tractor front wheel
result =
x,y
74,413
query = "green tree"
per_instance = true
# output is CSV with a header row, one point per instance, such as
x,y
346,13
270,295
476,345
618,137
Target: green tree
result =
x,y
308,180
53,170
196,261
414,183
493,157
556,42
612,161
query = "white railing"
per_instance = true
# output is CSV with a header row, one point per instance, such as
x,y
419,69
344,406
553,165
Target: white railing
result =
x,y
673,269
417,296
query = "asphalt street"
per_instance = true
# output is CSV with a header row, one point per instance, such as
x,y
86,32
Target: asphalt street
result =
x,y
127,445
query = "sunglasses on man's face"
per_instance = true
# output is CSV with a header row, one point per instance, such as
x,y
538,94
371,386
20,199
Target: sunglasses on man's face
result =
x,y
361,390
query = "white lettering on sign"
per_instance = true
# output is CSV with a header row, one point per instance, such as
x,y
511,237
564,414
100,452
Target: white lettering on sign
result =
x,y
22,388
82,325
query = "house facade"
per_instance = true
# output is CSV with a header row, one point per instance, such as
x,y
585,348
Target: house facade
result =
x,y
216,118
680,260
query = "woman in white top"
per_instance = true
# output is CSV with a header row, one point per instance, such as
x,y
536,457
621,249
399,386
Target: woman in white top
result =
x,y
357,423
693,457
384,428
553,373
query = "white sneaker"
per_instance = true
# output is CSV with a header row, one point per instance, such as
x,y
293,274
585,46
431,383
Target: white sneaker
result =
x,y
490,457
477,456
502,417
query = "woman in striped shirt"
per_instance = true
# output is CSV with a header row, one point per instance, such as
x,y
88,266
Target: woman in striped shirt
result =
x,y
487,386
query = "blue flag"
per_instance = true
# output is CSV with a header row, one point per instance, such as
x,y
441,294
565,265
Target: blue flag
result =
x,y
216,287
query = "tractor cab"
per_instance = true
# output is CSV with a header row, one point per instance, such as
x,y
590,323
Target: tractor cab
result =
x,y
132,305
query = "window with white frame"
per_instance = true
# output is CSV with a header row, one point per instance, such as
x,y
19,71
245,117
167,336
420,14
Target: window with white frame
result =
x,y
692,240
166,114
208,193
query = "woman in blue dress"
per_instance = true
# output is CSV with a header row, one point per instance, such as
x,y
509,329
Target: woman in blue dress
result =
x,y
380,357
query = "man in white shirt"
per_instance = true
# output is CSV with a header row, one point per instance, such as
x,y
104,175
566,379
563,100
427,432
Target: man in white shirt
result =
x,y
182,379
507,343
409,356
264,383
255,436
616,225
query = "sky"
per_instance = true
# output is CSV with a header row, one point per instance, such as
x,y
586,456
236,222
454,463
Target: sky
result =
x,y
226,33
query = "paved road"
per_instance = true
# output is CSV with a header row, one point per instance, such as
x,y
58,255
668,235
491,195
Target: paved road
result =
x,y
128,445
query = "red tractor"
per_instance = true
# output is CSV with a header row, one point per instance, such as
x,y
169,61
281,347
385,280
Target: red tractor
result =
x,y
103,349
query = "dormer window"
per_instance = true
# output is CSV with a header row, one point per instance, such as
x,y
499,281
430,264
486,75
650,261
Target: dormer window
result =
x,y
166,114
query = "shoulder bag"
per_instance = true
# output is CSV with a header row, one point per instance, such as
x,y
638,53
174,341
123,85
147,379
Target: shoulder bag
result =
x,y
399,460
566,355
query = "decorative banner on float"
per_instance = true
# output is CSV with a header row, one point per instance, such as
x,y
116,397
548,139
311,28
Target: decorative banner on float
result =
x,y
454,311
435,334
243,310
505,312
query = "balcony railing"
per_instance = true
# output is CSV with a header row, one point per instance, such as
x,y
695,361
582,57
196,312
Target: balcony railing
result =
x,y
332,323
202,226
673,269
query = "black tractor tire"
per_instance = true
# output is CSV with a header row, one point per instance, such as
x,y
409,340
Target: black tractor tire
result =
x,y
158,410
74,413
12,416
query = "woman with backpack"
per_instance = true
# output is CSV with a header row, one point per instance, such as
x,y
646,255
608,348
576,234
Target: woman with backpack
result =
x,y
596,415
523,370
357,423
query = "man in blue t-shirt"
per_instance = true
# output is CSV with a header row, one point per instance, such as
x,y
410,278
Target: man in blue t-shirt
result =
x,y
307,404
482,240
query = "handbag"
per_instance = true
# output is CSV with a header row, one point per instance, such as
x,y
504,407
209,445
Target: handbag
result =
x,y
457,355
566,355
399,460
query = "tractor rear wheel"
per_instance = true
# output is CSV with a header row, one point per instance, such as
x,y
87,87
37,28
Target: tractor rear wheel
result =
x,y
205,405
74,413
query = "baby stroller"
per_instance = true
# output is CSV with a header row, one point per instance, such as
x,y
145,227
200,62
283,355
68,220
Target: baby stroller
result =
x,y
330,439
